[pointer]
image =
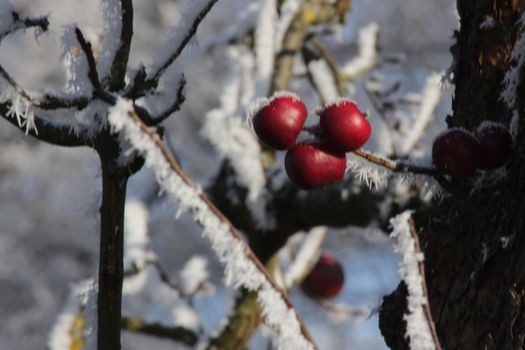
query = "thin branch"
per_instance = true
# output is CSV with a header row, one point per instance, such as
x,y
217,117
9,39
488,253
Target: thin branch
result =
x,y
152,134
24,23
421,265
92,73
398,167
154,80
176,333
120,61
177,103
53,132
374,100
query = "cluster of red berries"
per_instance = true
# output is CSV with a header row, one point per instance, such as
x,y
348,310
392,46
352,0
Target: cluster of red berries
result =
x,y
458,152
342,128
326,279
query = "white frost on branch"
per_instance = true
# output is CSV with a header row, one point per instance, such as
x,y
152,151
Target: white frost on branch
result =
x,y
60,337
418,329
306,257
137,250
511,80
324,80
23,111
373,175
233,138
430,98
265,37
231,250
111,11
367,40
288,10
194,274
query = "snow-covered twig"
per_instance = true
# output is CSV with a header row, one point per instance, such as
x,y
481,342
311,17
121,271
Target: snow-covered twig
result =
x,y
242,266
306,257
265,45
420,326
367,58
430,97
398,167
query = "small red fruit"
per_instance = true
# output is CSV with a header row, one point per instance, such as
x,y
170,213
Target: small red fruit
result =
x,y
326,278
314,165
496,145
456,152
279,122
345,125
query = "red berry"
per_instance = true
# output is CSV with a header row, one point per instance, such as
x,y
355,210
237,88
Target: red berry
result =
x,y
456,152
314,165
345,125
326,278
279,122
496,145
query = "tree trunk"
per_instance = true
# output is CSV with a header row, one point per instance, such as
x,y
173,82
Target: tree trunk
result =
x,y
111,269
474,240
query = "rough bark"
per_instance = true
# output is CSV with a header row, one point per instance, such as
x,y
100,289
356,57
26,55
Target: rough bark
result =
x,y
474,240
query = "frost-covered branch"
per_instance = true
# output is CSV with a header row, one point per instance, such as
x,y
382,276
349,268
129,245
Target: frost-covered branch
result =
x,y
367,58
175,106
189,23
20,23
430,98
242,266
50,131
398,167
420,326
176,333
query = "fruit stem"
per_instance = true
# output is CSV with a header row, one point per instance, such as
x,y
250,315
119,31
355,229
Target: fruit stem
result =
x,y
398,167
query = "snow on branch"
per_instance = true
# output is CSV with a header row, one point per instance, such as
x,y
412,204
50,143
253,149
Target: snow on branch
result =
x,y
509,95
430,98
367,58
70,328
265,46
306,257
225,129
111,11
242,268
420,327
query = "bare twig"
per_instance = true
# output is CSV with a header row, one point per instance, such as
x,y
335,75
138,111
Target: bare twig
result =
x,y
120,61
398,167
421,265
177,333
175,106
92,73
154,80
152,134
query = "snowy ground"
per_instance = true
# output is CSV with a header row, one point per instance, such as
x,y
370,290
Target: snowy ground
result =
x,y
49,195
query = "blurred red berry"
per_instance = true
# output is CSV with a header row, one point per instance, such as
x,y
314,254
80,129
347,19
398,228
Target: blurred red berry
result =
x,y
456,152
326,278
496,145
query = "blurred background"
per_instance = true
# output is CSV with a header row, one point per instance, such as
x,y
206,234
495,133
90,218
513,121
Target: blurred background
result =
x,y
49,196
